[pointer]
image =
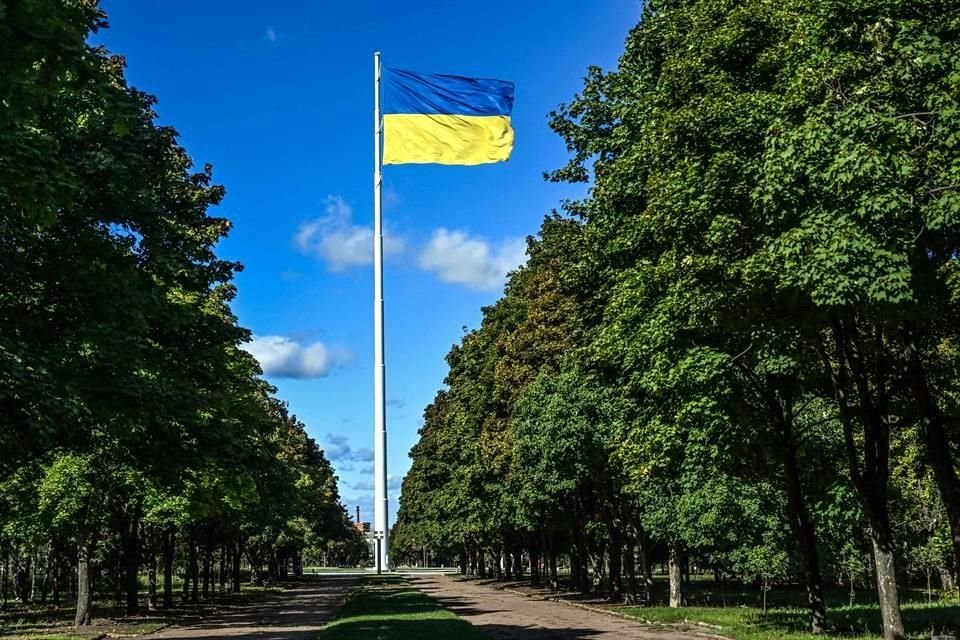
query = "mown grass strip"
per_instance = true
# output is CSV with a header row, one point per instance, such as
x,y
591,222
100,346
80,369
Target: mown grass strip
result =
x,y
858,622
388,608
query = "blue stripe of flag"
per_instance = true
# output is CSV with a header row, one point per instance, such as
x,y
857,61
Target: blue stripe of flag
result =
x,y
432,93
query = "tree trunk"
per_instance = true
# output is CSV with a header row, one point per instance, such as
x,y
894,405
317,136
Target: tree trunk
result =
x,y
32,572
937,448
616,559
56,580
674,563
583,569
869,473
222,577
536,548
946,579
630,567
599,566
552,563
887,587
578,561
84,595
194,570
237,552
801,525
188,541
645,565
4,587
575,570
518,562
206,573
131,556
47,575
152,580
169,540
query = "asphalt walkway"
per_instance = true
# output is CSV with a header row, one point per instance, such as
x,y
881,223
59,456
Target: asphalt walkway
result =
x,y
509,616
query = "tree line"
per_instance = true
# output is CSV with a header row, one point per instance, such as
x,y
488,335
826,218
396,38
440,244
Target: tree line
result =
x,y
136,435
739,352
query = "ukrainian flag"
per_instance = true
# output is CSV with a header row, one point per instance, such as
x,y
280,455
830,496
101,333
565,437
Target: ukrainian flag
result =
x,y
442,119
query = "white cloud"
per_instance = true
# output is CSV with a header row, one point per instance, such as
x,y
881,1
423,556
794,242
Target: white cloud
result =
x,y
283,357
363,485
340,243
393,483
391,197
337,448
363,454
270,35
460,259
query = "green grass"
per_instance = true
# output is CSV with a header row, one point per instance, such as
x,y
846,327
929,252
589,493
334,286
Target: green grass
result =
x,y
387,608
47,622
737,614
54,624
734,610
858,621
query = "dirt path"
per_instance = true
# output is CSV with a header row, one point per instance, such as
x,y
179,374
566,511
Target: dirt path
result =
x,y
508,616
297,613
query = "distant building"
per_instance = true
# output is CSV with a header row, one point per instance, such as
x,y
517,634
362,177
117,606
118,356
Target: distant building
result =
x,y
362,527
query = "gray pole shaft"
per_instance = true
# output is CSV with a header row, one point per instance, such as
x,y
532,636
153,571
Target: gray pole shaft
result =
x,y
381,515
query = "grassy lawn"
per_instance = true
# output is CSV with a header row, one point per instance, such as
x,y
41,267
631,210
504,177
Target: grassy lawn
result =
x,y
324,570
736,611
46,622
387,608
55,624
790,623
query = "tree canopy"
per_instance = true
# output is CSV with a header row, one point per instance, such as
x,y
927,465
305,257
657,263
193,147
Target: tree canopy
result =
x,y
733,352
136,432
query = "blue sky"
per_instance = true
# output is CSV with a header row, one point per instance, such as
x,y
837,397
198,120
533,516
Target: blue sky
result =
x,y
278,96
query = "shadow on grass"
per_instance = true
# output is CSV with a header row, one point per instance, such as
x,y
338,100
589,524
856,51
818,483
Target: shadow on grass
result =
x,y
734,610
290,603
746,623
919,619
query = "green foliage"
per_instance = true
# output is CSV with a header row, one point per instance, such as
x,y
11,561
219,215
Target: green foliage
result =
x,y
130,414
739,350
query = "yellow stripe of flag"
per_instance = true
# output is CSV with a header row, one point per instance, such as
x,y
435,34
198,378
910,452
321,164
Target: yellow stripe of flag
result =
x,y
446,139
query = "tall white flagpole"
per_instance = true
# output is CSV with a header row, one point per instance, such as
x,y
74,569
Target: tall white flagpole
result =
x,y
380,520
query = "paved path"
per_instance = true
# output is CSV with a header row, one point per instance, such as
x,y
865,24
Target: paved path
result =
x,y
297,613
508,616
